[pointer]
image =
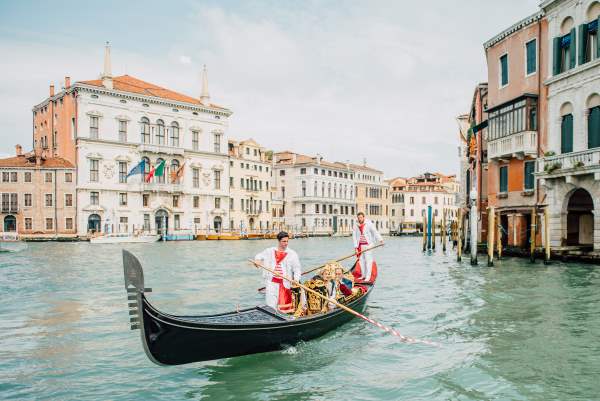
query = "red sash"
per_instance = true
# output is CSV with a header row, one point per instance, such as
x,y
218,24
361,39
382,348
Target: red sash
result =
x,y
284,300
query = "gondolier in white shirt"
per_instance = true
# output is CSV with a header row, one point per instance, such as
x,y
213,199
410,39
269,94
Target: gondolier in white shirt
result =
x,y
284,261
364,236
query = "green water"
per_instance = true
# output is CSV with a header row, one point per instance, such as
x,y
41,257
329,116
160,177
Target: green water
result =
x,y
515,331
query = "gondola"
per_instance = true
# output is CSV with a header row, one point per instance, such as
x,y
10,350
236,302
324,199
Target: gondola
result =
x,y
175,340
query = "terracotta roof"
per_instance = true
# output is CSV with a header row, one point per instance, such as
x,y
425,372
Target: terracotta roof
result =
x,y
28,161
365,168
127,83
287,157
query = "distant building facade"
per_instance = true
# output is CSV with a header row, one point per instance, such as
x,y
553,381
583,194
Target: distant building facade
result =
x,y
107,126
249,187
372,195
397,205
37,196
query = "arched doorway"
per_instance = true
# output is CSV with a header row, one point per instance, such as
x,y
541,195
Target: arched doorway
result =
x,y
251,223
10,223
161,220
580,219
218,224
94,223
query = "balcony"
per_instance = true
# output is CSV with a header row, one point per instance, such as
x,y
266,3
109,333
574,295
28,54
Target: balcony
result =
x,y
516,145
569,165
160,149
158,187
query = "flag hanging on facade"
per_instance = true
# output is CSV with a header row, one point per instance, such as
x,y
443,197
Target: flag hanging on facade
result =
x,y
176,175
157,171
138,169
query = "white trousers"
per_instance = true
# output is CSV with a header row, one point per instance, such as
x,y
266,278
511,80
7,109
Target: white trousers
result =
x,y
366,265
272,294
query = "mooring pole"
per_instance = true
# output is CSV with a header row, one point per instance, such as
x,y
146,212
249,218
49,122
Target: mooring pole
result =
x,y
433,232
546,237
473,223
424,233
429,227
532,236
491,230
499,237
459,236
444,232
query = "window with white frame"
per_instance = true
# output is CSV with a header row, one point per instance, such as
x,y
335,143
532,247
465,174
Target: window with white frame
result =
x,y
122,130
94,127
94,170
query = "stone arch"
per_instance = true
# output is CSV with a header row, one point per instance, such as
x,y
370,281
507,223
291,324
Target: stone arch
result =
x,y
10,223
566,108
593,101
94,223
567,24
578,226
593,11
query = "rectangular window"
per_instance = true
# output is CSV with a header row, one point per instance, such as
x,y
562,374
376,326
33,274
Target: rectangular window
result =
x,y
48,177
94,168
69,223
281,172
175,200
196,177
503,179
68,177
303,208
196,202
95,198
317,208
145,200
49,201
122,198
49,224
94,127
594,127
28,223
217,179
504,70
28,200
302,171
529,167
230,182
195,135
68,200
5,176
13,176
122,172
217,203
122,130
146,222
217,144
531,56
28,177
177,222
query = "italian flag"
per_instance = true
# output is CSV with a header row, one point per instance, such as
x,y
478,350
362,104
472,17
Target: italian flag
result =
x,y
156,171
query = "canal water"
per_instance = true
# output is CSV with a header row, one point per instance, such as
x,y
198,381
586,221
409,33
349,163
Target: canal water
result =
x,y
515,331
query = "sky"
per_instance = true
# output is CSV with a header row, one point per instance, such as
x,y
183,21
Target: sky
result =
x,y
381,81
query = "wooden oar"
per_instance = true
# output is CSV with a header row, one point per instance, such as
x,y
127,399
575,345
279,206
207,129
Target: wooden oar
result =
x,y
406,339
337,260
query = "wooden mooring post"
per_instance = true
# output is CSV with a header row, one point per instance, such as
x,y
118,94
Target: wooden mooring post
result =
x,y
546,237
459,236
532,236
433,232
424,233
499,237
490,232
444,232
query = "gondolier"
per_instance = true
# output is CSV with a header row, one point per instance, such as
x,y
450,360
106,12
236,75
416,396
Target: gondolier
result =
x,y
365,235
284,261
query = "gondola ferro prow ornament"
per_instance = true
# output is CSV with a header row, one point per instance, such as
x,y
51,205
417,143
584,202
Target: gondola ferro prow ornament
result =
x,y
134,285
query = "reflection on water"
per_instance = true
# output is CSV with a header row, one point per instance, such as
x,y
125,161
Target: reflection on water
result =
x,y
514,331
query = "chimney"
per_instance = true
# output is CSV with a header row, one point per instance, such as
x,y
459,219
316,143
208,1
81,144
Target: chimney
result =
x,y
67,82
204,96
107,81
18,150
293,158
318,158
51,90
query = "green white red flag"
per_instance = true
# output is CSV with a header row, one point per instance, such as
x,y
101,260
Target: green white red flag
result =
x,y
157,171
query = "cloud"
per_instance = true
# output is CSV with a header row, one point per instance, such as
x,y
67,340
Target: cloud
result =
x,y
380,80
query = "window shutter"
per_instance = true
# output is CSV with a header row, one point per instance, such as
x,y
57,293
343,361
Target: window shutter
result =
x,y
557,51
566,143
594,128
583,36
531,57
598,38
573,48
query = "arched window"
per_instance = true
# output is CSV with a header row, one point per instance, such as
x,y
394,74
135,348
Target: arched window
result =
x,y
145,130
322,190
161,178
335,190
160,132
174,134
146,166
593,105
315,189
329,190
173,172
